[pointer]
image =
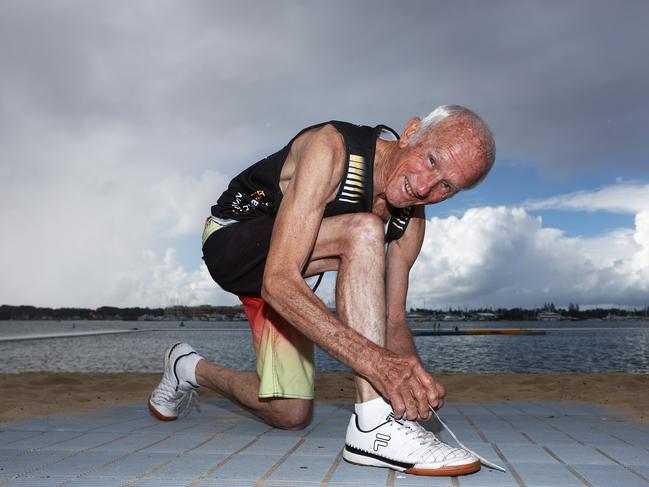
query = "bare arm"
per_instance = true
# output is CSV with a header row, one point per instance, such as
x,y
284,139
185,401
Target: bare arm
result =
x,y
401,257
319,161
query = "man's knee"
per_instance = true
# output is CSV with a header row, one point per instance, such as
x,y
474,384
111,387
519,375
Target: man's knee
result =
x,y
365,233
291,414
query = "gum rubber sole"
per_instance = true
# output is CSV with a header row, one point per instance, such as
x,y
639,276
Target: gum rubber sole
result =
x,y
449,471
158,415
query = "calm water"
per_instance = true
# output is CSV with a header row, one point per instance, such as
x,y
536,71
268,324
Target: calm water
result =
x,y
587,346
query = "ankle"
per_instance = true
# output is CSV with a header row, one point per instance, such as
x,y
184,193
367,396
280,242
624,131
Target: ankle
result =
x,y
372,413
187,366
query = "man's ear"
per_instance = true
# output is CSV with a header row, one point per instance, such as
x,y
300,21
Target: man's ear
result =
x,y
409,131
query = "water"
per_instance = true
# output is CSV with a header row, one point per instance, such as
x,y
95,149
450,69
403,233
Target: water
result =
x,y
586,346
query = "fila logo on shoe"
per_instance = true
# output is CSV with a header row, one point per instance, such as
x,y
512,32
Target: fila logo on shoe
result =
x,y
381,440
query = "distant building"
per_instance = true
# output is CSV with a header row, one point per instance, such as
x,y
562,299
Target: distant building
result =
x,y
486,316
549,316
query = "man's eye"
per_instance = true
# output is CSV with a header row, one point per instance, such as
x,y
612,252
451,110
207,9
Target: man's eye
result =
x,y
447,187
432,161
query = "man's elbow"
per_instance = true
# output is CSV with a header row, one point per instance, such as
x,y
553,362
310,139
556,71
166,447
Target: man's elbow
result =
x,y
272,287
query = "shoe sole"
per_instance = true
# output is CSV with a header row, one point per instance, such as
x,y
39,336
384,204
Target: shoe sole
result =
x,y
158,414
447,471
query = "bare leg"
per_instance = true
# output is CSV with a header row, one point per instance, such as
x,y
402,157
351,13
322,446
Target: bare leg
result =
x,y
354,245
358,242
242,388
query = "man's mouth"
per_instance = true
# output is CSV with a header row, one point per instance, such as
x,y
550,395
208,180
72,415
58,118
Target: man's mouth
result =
x,y
409,188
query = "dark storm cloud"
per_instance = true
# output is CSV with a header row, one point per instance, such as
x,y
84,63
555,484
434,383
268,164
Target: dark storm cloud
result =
x,y
121,122
562,84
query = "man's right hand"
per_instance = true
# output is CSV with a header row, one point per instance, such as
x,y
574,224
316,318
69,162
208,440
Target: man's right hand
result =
x,y
402,380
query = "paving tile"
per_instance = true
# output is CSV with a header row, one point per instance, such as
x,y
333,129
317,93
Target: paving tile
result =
x,y
525,453
27,464
225,444
348,474
188,466
157,483
462,430
628,455
609,475
34,482
546,475
406,480
82,462
125,443
579,454
488,478
245,467
642,469
85,441
132,465
9,437
131,442
179,443
273,445
632,435
301,468
40,441
322,447
588,435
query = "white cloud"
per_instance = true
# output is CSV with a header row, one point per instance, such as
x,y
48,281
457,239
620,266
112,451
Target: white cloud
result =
x,y
164,281
504,257
92,227
619,198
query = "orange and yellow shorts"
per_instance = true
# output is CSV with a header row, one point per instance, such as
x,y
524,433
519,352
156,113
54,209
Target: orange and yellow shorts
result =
x,y
284,355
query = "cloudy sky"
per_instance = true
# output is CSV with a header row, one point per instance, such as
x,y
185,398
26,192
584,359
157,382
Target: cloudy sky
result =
x,y
122,122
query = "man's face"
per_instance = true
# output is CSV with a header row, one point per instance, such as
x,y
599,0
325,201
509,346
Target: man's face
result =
x,y
444,161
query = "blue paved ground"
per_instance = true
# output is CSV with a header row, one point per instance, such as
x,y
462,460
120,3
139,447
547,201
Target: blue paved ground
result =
x,y
540,443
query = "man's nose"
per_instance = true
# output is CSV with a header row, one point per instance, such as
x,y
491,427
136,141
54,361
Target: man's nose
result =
x,y
425,185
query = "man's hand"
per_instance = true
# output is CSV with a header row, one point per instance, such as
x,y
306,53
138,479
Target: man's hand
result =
x,y
402,380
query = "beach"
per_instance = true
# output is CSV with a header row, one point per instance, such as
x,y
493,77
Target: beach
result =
x,y
31,394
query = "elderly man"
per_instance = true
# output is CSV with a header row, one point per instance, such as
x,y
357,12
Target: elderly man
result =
x,y
346,198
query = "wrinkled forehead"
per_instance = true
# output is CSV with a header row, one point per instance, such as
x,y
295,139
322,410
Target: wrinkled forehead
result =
x,y
461,148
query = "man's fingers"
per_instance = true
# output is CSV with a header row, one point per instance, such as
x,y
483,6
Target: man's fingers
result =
x,y
441,390
434,390
431,391
412,412
398,405
421,398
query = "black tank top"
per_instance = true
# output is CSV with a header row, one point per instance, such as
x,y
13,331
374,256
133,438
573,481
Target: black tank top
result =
x,y
255,191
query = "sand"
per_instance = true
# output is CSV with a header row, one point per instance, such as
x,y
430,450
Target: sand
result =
x,y
34,394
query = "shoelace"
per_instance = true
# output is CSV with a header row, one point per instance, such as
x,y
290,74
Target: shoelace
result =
x,y
188,402
420,433
482,459
437,449
188,399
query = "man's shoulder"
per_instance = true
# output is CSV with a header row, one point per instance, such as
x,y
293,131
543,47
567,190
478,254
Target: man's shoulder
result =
x,y
323,138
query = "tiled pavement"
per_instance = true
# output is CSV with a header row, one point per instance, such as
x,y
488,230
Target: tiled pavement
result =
x,y
557,444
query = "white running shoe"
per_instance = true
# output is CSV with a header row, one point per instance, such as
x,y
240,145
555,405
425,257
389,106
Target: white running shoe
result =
x,y
175,396
406,446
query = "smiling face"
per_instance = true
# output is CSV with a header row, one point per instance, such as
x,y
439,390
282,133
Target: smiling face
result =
x,y
449,157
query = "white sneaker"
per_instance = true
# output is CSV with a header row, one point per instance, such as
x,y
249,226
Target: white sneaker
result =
x,y
175,395
406,446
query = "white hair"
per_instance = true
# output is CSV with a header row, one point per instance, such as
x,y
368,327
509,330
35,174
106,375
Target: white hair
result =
x,y
440,113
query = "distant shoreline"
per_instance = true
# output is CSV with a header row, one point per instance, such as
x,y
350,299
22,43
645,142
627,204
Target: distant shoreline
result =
x,y
30,394
549,312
